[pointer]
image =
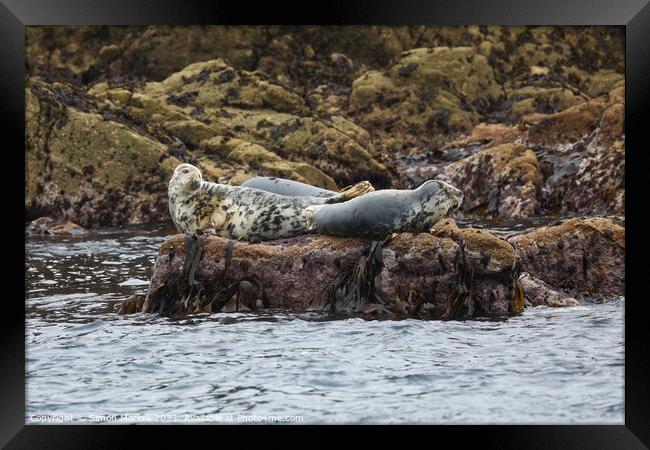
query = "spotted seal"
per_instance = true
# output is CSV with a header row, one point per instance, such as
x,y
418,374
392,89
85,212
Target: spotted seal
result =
x,y
237,212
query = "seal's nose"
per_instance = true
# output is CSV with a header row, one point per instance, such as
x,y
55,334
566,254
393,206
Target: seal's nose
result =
x,y
460,199
456,195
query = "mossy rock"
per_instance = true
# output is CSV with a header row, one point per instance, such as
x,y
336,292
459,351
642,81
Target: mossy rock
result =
x,y
427,95
568,126
215,84
604,81
88,169
117,153
212,100
534,99
264,162
458,70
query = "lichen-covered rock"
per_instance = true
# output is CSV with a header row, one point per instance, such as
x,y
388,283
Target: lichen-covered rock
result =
x,y
417,275
88,169
427,94
577,255
207,103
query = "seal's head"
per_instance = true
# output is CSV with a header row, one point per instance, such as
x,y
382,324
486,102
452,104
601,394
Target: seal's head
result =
x,y
438,199
186,177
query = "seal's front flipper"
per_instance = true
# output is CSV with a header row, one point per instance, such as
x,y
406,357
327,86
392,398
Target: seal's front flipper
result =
x,y
217,219
351,192
309,213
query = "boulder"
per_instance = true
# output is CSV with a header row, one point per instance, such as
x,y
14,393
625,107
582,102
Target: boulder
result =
x,y
410,275
85,165
530,99
208,103
570,162
504,180
426,95
568,126
581,255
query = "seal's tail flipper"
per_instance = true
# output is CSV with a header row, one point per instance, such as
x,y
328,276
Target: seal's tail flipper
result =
x,y
351,192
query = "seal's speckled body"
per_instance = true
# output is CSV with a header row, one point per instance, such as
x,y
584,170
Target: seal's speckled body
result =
x,y
237,212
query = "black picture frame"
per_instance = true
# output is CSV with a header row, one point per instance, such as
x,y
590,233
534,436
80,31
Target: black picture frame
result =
x,y
633,15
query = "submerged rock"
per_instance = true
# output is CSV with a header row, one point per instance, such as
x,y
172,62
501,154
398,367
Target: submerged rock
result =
x,y
539,293
131,305
48,225
414,275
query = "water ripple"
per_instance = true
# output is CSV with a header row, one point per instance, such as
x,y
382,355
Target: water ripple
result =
x,y
547,366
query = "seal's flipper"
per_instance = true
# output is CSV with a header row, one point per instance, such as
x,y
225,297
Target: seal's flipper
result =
x,y
351,192
217,219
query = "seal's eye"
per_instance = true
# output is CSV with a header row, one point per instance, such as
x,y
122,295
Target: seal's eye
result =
x,y
186,170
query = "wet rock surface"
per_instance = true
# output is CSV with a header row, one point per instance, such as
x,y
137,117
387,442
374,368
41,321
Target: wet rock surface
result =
x,y
538,293
450,273
50,226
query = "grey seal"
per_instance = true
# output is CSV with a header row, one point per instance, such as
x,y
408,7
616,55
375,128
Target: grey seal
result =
x,y
235,212
239,212
286,187
378,213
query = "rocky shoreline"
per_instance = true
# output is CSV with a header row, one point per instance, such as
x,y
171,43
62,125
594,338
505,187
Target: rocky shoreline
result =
x,y
527,121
